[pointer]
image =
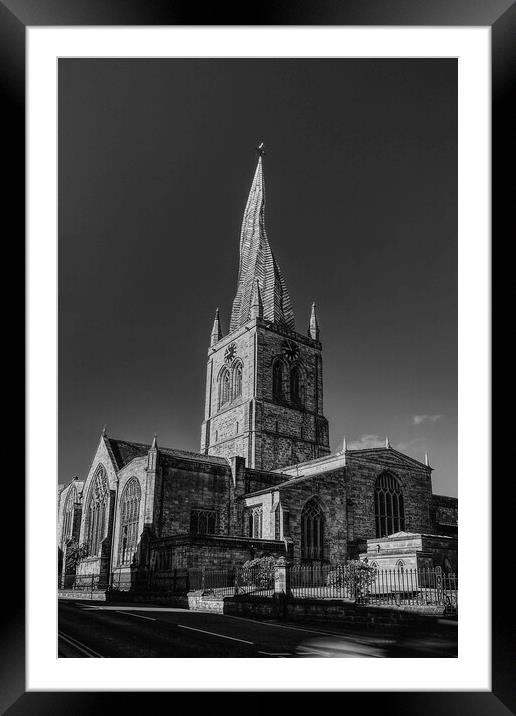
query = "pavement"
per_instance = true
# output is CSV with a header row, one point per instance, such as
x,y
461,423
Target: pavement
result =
x,y
89,629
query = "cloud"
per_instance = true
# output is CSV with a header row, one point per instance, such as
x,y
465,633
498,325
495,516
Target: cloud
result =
x,y
416,445
418,419
367,441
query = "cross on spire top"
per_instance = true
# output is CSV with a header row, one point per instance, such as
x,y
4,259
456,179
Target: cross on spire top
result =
x,y
261,149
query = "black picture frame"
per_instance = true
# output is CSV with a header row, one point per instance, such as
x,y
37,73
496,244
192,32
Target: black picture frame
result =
x,y
500,15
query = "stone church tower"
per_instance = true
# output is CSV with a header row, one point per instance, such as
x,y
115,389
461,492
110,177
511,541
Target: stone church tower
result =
x,y
264,386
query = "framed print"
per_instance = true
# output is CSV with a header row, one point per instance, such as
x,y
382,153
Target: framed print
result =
x,y
295,529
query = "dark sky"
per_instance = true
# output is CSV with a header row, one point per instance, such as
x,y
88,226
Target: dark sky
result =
x,y
155,162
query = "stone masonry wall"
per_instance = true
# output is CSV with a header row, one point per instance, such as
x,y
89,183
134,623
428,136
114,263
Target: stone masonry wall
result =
x,y
191,485
287,432
415,482
445,515
330,490
194,551
226,428
269,433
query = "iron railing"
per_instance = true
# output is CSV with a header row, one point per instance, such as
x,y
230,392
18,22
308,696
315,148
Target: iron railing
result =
x,y
376,586
318,580
251,581
414,587
318,554
83,582
315,581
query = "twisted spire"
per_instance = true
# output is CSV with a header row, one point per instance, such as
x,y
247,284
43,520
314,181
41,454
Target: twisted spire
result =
x,y
257,264
256,301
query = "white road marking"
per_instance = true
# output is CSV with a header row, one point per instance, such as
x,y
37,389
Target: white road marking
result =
x,y
303,650
212,633
136,607
79,645
343,636
284,626
309,631
140,616
276,653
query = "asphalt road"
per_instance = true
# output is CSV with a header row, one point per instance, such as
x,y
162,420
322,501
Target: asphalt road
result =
x,y
100,630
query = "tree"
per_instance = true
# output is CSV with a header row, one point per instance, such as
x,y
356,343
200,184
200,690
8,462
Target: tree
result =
x,y
74,554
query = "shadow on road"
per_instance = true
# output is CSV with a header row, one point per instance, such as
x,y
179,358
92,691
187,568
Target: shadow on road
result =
x,y
96,629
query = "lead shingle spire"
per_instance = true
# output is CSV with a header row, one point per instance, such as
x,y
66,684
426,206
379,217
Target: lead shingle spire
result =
x,y
256,301
257,264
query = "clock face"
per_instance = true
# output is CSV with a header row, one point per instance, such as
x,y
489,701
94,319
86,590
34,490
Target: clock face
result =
x,y
230,353
290,350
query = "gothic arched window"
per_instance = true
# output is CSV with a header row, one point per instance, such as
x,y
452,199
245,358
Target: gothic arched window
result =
x,y
312,530
68,514
129,520
277,380
203,522
96,511
295,385
224,387
255,521
389,508
237,380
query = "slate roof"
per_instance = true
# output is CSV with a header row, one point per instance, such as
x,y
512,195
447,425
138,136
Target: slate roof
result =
x,y
124,451
338,459
286,483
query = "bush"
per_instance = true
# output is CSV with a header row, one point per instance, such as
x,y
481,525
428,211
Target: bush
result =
x,y
355,576
257,572
74,554
266,562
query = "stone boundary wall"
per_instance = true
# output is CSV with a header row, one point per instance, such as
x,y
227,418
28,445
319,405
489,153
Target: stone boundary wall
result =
x,y
97,596
338,610
324,610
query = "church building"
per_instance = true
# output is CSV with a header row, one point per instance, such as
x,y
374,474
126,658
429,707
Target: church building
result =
x,y
264,481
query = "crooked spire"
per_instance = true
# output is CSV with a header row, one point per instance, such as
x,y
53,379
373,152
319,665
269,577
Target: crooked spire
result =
x,y
216,331
313,330
257,264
